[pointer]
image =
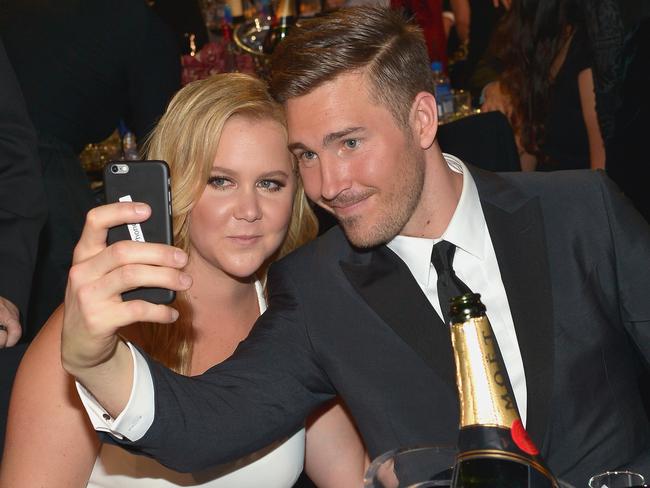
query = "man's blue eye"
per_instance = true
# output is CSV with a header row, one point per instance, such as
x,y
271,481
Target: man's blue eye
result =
x,y
307,159
351,143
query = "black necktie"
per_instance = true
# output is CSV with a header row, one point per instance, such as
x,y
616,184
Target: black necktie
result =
x,y
449,285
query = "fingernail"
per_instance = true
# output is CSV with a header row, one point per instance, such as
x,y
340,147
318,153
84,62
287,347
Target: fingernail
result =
x,y
180,257
186,280
174,315
141,208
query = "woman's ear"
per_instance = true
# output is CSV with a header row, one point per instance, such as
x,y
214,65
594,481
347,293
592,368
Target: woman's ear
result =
x,y
425,119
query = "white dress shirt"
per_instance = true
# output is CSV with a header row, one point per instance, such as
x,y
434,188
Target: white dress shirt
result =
x,y
474,262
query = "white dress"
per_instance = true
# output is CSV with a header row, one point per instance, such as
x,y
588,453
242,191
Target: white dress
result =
x,y
276,466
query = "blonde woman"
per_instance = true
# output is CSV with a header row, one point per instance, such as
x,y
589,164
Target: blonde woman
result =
x,y
238,204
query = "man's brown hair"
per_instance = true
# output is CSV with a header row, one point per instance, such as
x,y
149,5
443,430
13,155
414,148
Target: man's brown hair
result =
x,y
377,41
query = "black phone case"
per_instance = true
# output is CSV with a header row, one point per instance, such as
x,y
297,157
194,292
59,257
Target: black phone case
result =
x,y
145,181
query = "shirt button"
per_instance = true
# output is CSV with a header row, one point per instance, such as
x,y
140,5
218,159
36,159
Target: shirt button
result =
x,y
106,417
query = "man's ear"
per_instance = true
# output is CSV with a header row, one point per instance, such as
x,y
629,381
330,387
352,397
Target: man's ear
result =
x,y
424,117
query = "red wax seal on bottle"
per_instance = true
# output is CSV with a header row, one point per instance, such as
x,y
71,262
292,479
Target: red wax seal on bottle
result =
x,y
520,436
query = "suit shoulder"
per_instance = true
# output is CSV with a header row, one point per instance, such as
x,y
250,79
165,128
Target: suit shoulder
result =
x,y
580,188
326,249
585,196
565,181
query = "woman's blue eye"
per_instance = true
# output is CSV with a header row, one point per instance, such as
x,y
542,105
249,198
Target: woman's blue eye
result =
x,y
219,181
270,185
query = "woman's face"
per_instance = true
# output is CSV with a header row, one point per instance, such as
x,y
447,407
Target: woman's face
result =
x,y
242,216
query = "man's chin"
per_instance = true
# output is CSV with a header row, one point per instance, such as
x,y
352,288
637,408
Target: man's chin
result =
x,y
363,236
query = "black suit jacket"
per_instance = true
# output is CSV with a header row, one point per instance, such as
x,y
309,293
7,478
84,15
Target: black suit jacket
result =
x,y
22,197
574,258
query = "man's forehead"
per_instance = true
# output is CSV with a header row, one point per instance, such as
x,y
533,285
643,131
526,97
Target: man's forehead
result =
x,y
332,107
352,84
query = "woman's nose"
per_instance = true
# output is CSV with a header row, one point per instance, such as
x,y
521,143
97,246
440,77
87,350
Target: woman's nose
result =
x,y
248,206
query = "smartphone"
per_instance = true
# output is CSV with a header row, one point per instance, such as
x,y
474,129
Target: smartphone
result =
x,y
148,182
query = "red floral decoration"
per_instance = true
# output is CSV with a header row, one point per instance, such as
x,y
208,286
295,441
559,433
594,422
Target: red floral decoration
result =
x,y
210,60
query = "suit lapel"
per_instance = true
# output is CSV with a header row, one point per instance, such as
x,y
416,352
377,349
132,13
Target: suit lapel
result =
x,y
516,228
518,237
387,286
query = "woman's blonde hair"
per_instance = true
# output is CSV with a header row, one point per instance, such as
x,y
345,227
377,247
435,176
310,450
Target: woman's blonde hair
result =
x,y
186,138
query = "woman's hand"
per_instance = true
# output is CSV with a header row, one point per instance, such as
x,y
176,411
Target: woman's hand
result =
x,y
94,310
495,100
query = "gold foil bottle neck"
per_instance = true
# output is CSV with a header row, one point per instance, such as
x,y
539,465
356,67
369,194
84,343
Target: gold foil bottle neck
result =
x,y
285,9
483,387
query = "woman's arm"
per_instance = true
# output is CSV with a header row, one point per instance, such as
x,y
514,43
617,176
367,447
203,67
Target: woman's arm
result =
x,y
49,439
462,15
495,99
588,104
335,455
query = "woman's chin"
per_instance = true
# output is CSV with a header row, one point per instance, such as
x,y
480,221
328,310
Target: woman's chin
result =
x,y
243,273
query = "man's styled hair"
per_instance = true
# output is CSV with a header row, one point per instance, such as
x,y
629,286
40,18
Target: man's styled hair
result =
x,y
377,41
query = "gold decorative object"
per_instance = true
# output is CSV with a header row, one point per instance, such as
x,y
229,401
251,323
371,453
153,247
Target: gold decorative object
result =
x,y
95,156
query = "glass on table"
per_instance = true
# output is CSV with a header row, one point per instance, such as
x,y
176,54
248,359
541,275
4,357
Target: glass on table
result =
x,y
413,467
462,103
617,479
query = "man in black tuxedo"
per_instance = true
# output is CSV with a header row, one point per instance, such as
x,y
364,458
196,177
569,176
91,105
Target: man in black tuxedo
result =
x,y
22,213
561,261
22,204
79,81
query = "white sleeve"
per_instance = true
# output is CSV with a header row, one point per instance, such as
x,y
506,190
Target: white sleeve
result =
x,y
137,416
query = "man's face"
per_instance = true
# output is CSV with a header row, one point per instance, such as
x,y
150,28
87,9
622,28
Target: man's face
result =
x,y
355,160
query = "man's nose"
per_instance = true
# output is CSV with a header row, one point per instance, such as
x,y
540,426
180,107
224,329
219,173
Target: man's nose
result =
x,y
335,177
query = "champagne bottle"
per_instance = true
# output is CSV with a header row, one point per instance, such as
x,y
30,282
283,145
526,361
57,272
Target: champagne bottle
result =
x,y
494,449
283,19
230,58
129,144
236,11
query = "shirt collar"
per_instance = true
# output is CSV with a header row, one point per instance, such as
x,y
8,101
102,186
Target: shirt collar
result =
x,y
466,230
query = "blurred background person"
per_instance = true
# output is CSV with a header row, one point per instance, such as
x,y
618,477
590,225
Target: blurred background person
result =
x,y
592,112
623,103
22,213
22,204
232,178
83,65
185,19
471,25
546,85
428,15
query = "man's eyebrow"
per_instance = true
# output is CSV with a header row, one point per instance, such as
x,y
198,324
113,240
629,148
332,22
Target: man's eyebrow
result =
x,y
328,139
297,145
333,136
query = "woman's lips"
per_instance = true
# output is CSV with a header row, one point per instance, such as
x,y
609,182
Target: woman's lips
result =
x,y
245,239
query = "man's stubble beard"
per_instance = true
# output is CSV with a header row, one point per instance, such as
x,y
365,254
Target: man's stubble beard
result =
x,y
396,206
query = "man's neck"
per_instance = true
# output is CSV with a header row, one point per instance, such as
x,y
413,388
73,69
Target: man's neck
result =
x,y
440,195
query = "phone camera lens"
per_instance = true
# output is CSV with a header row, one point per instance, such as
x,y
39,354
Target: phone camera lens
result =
x,y
115,168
